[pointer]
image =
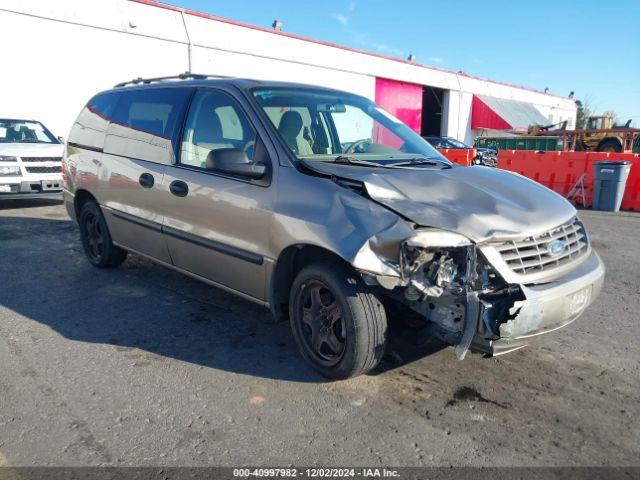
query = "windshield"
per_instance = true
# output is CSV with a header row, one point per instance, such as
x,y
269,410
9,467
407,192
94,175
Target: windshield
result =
x,y
24,131
329,126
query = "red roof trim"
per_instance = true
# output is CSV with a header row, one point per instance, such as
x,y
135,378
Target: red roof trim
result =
x,y
483,116
196,13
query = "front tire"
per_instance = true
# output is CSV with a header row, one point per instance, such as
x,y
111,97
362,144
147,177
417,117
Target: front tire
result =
x,y
96,238
339,323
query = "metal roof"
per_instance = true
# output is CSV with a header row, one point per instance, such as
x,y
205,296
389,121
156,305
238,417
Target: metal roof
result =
x,y
519,115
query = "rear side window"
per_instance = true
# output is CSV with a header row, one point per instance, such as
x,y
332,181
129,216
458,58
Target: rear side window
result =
x,y
144,124
153,111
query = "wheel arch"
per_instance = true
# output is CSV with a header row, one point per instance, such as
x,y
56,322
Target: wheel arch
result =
x,y
290,261
81,197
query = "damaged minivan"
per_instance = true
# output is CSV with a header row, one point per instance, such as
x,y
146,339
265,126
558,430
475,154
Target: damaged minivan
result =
x,y
323,207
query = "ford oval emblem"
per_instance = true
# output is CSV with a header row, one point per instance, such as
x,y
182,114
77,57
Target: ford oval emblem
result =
x,y
556,247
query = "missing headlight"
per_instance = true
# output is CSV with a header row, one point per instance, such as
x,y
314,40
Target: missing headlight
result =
x,y
434,272
459,294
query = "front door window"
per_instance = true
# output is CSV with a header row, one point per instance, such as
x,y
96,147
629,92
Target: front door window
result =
x,y
215,122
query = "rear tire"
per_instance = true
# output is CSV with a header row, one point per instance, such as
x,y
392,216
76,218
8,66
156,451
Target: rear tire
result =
x,y
339,323
609,145
96,239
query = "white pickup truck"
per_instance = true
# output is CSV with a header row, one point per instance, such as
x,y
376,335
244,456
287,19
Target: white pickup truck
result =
x,y
30,160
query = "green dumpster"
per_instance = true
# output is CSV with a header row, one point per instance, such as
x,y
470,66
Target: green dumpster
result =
x,y
544,144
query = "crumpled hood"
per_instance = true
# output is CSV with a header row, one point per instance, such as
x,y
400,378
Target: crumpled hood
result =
x,y
31,149
478,202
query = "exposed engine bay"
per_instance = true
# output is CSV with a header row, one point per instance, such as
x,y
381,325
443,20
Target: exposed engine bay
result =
x,y
459,294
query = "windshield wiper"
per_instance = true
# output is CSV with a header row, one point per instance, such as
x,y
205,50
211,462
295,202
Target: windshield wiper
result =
x,y
345,160
421,161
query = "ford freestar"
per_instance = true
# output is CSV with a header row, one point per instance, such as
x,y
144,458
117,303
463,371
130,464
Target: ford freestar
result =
x,y
325,208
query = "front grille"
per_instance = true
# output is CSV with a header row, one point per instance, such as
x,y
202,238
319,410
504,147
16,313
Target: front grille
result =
x,y
43,169
41,159
531,254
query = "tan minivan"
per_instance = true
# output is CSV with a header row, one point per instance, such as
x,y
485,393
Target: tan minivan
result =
x,y
325,208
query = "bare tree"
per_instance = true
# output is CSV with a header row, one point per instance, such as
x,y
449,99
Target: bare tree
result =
x,y
584,112
612,114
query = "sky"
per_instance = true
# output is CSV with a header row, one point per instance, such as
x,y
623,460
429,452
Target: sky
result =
x,y
591,47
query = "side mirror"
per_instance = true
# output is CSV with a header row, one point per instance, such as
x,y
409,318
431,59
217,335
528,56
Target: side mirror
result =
x,y
234,161
61,140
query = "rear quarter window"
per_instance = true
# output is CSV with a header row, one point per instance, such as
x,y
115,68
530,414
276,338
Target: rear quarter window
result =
x,y
103,104
90,127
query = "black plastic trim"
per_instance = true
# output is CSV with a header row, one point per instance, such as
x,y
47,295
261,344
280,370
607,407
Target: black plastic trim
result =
x,y
189,237
155,226
213,245
85,147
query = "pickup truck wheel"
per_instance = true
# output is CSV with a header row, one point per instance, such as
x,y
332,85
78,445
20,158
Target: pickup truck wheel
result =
x,y
609,145
96,238
339,323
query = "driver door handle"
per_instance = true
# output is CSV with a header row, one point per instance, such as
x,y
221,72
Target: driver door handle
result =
x,y
179,188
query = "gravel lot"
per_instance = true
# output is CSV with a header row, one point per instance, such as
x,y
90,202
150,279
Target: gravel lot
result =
x,y
143,366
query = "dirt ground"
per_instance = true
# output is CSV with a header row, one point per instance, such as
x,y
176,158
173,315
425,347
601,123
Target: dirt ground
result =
x,y
143,366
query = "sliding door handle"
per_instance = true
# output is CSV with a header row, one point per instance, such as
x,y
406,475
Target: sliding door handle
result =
x,y
146,180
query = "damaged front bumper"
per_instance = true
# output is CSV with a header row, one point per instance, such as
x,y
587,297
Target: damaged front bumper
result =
x,y
547,307
465,299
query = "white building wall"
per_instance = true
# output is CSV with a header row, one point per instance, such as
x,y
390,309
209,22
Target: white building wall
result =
x,y
84,46
59,65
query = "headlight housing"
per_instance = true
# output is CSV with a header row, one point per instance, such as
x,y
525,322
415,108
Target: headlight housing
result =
x,y
9,171
7,158
432,238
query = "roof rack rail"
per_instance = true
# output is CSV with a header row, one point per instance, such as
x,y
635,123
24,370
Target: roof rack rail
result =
x,y
182,76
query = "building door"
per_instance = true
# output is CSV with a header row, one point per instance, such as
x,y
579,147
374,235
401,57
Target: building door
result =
x,y
432,111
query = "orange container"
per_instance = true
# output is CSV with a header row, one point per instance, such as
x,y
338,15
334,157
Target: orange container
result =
x,y
459,156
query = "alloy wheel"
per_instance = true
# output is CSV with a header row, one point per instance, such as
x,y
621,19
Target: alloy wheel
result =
x,y
323,326
94,235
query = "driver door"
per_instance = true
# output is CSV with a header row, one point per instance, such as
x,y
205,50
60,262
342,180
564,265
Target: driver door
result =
x,y
217,225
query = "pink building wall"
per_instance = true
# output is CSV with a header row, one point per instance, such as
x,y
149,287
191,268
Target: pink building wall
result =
x,y
404,100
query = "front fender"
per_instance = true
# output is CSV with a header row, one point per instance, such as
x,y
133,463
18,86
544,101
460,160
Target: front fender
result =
x,y
318,211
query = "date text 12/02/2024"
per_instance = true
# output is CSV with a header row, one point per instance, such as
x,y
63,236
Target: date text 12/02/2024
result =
x,y
316,472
